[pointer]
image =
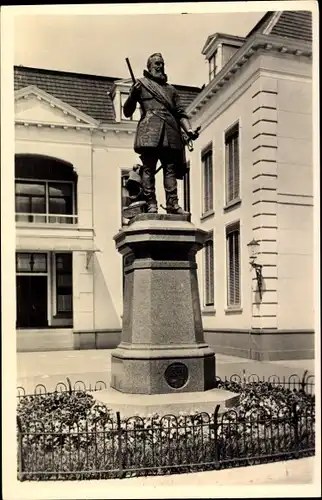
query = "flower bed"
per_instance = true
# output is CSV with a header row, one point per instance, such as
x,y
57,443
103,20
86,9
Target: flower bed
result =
x,y
72,436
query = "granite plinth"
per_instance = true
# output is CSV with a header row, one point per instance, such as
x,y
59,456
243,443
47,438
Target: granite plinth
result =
x,y
164,404
162,327
146,371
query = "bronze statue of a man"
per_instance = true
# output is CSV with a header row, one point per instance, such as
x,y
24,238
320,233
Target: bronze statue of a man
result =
x,y
159,133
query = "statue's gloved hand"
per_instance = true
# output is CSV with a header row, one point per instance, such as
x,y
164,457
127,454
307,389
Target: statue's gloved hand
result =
x,y
135,89
193,134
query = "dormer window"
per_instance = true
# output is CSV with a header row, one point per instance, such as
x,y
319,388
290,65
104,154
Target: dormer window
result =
x,y
136,115
218,50
213,66
119,94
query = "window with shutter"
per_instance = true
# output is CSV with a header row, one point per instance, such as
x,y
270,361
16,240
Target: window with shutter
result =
x,y
209,272
64,283
207,167
186,189
233,266
232,164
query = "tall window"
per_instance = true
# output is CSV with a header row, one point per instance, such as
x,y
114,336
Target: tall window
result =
x,y
232,164
213,66
64,283
42,201
45,190
233,265
186,189
136,115
209,271
207,180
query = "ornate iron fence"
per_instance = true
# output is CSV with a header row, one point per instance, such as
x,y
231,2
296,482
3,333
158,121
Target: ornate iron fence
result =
x,y
168,444
293,382
109,446
78,386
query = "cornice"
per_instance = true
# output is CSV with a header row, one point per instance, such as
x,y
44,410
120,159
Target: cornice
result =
x,y
257,42
115,128
59,126
111,128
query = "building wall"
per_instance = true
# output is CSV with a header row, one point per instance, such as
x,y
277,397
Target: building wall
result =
x,y
112,152
271,98
74,147
295,205
224,216
98,158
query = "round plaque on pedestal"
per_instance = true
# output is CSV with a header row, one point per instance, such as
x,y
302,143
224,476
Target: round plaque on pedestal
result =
x,y
176,375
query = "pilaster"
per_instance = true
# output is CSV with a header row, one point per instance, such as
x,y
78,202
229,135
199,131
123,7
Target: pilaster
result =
x,y
264,199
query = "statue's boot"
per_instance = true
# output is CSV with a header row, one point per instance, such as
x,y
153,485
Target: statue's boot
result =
x,y
148,184
173,206
152,208
176,209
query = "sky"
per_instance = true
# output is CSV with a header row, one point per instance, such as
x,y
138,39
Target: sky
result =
x,y
99,44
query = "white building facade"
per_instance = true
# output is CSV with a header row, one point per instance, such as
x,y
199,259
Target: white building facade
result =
x,y
253,180
69,190
251,177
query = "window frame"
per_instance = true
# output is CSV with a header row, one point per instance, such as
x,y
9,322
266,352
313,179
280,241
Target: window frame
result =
x,y
212,70
47,217
124,175
232,173
233,278
32,271
207,184
209,272
186,189
65,313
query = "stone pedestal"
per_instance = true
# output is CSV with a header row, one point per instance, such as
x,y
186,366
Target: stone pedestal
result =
x,y
162,348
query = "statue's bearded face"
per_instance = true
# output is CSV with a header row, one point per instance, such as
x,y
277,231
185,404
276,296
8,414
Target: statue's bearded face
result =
x,y
157,66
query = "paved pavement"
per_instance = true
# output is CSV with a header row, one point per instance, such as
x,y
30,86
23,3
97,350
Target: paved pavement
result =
x,y
294,478
90,366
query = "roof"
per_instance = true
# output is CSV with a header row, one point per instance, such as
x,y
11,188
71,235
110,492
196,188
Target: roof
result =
x,y
87,93
290,24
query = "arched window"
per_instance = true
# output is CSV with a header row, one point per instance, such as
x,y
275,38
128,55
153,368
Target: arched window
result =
x,y
45,190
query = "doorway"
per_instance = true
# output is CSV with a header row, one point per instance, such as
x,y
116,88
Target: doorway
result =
x,y
32,301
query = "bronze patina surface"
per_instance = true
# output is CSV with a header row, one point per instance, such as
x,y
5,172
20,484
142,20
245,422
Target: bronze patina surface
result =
x,y
162,133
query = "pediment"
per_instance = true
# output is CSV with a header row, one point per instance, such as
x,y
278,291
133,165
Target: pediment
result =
x,y
35,106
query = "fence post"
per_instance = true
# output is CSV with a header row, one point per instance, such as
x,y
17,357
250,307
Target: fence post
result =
x,y
20,454
119,440
217,447
295,420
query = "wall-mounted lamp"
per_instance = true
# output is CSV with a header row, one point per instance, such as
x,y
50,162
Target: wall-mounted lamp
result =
x,y
253,248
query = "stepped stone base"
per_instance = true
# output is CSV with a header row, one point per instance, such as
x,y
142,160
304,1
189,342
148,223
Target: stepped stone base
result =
x,y
164,404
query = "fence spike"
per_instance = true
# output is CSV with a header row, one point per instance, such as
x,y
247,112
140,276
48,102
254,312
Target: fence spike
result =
x,y
70,389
